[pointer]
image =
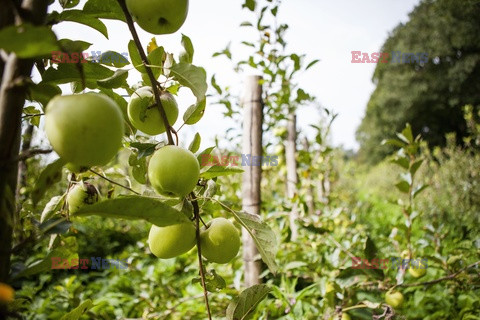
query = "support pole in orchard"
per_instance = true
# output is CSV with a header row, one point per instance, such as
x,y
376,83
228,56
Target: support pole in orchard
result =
x,y
292,178
252,175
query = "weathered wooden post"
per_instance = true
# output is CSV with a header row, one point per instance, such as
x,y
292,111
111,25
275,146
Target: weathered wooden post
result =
x,y
292,178
252,145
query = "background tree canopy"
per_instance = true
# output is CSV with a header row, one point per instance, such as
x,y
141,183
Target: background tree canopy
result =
x,y
428,95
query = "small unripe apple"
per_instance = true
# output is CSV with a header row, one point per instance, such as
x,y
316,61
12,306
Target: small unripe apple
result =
x,y
345,316
158,16
144,113
173,171
417,273
81,194
394,298
84,129
171,241
220,241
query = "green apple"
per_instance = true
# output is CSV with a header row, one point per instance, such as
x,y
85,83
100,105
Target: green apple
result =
x,y
144,114
394,298
173,171
220,241
345,316
84,129
81,194
417,273
171,241
158,16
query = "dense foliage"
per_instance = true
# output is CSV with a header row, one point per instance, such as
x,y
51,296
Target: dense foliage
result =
x,y
420,202
427,93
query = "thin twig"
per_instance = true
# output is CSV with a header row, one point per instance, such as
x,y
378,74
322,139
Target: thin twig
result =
x,y
27,154
449,277
113,182
146,64
196,212
32,115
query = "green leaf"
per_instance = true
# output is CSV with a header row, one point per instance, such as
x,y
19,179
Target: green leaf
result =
x,y
415,166
68,45
402,162
152,210
213,81
370,249
213,281
144,149
250,5
135,57
246,24
192,77
195,145
28,41
195,112
204,152
113,59
262,235
55,225
53,206
311,64
50,175
117,80
67,251
76,313
69,72
211,189
403,186
393,142
242,307
67,4
217,171
155,58
407,133
139,167
81,17
419,189
104,9
43,92
302,96
187,56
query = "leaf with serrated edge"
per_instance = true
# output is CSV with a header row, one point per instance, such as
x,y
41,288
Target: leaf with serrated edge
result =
x,y
192,77
263,236
132,207
245,304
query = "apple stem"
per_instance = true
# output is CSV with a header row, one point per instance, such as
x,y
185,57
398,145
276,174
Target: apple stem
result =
x,y
146,64
196,212
114,182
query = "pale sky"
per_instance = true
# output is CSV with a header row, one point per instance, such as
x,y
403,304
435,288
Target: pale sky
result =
x,y
325,30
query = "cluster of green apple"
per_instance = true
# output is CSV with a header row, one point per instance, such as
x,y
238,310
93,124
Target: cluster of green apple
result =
x,y
86,130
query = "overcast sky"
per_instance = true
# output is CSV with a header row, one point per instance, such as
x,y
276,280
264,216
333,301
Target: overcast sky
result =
x,y
325,30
